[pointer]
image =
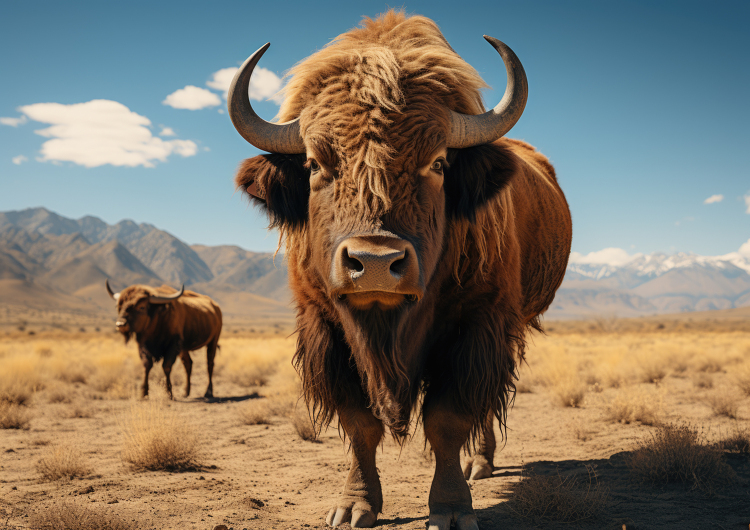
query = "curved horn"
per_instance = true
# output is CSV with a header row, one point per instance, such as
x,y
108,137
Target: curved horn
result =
x,y
166,299
282,138
114,296
468,130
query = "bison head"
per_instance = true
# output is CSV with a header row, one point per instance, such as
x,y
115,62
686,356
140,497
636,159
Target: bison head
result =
x,y
376,161
136,306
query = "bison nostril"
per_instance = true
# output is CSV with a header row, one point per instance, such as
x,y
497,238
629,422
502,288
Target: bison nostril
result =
x,y
351,263
398,267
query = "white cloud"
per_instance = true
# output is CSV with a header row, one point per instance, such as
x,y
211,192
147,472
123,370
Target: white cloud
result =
x,y
607,256
167,131
745,248
264,85
747,203
714,198
192,98
14,122
20,159
100,132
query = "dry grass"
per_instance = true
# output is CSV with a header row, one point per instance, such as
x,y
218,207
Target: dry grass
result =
x,y
252,363
66,516
703,380
737,442
724,403
680,453
742,378
254,412
62,462
156,438
558,498
630,406
304,425
14,416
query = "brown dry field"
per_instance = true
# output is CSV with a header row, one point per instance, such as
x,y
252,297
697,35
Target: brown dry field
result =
x,y
589,393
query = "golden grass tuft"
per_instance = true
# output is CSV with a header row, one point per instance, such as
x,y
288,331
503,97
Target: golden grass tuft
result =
x,y
680,453
742,378
254,412
20,377
703,380
737,442
724,403
62,462
66,516
14,416
303,425
558,498
630,406
157,438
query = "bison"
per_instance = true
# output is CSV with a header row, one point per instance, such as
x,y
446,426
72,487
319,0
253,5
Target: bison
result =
x,y
168,323
422,246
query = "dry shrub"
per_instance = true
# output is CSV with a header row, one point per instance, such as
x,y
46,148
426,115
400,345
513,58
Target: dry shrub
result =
x,y
680,453
254,412
78,410
737,442
20,377
14,416
710,363
742,377
630,406
580,431
156,438
703,380
304,425
724,404
652,368
62,462
66,516
569,393
562,381
558,498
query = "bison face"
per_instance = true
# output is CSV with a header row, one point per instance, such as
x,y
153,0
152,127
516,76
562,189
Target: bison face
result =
x,y
137,305
368,250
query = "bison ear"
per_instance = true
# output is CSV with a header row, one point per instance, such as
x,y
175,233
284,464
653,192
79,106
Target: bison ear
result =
x,y
278,183
476,176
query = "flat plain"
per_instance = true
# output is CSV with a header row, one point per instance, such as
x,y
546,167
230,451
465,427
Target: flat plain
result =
x,y
77,441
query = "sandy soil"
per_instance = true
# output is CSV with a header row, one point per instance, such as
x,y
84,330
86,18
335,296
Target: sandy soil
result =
x,y
266,477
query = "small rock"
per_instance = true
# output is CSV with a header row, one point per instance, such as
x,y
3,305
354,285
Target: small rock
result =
x,y
14,488
201,478
113,501
84,491
221,527
10,451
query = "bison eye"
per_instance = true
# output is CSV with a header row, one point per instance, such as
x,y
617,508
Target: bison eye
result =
x,y
314,166
437,165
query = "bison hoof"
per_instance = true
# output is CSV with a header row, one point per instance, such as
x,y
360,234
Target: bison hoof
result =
x,y
355,516
459,519
208,394
477,468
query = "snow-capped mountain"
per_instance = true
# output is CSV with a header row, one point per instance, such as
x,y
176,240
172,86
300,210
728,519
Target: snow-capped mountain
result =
x,y
613,282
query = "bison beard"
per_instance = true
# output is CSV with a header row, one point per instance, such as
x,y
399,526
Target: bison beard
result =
x,y
382,164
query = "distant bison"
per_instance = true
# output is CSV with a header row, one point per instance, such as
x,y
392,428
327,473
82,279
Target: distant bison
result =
x,y
168,323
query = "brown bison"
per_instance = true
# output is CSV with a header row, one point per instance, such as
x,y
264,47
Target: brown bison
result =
x,y
168,323
421,245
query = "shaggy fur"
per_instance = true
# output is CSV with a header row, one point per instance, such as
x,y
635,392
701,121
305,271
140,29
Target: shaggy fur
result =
x,y
492,242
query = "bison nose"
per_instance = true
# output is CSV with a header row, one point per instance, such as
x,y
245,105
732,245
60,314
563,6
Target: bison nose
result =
x,y
376,263
120,324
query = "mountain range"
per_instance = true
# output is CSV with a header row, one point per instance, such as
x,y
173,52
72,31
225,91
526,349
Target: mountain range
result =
x,y
50,261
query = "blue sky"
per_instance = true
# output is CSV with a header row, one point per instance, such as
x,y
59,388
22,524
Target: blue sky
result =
x,y
642,107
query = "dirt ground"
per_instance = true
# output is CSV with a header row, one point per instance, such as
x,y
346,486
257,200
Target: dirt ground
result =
x,y
267,477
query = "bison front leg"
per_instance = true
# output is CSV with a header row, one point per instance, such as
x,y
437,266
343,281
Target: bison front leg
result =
x,y
450,497
148,363
480,464
362,498
188,363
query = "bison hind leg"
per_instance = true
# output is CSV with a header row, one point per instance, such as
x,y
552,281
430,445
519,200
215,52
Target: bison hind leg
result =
x,y
187,362
210,356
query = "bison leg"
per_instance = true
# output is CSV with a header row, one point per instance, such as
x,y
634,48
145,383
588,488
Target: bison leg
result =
x,y
188,364
481,464
210,355
167,366
450,497
148,363
362,498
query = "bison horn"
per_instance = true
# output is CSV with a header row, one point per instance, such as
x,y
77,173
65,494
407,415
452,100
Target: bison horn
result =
x,y
468,130
272,137
115,296
166,299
